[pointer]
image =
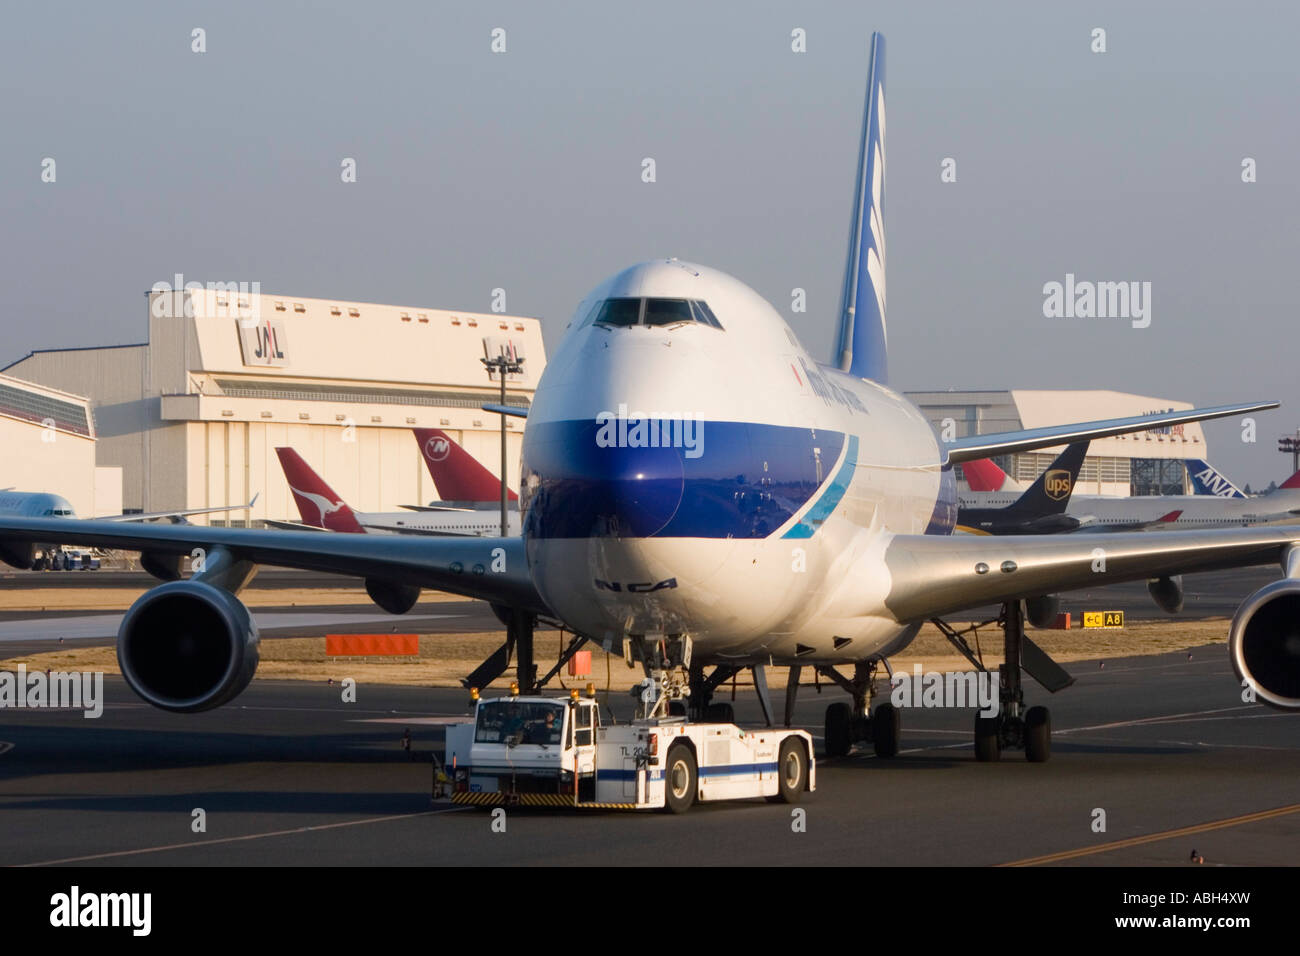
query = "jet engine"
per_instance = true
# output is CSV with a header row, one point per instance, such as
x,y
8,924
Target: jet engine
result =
x,y
187,646
1167,592
164,567
1264,643
392,597
1042,611
18,554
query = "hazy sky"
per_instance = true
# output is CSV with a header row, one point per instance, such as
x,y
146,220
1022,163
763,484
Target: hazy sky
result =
x,y
522,170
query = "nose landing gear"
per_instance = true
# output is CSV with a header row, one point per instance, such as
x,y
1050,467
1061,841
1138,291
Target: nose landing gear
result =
x,y
848,724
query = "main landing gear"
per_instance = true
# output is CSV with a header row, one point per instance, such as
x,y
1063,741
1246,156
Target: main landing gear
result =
x,y
1013,727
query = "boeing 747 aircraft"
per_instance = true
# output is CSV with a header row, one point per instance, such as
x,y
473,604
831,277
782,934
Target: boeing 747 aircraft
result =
x,y
701,495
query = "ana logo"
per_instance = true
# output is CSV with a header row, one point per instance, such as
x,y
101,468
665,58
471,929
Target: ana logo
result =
x,y
436,449
1215,483
1057,483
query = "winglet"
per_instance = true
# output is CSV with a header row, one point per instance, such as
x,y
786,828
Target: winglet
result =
x,y
1292,482
316,501
860,341
1171,517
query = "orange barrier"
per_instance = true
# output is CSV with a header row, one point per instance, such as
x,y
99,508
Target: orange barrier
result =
x,y
580,664
369,645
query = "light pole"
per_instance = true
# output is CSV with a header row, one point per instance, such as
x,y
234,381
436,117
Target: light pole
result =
x,y
1291,446
506,361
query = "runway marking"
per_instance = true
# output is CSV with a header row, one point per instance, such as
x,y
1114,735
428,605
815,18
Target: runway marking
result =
x,y
1198,716
1153,720
1202,743
247,836
1157,837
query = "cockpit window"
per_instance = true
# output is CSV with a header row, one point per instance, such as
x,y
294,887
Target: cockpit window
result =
x,y
619,312
626,312
705,315
667,311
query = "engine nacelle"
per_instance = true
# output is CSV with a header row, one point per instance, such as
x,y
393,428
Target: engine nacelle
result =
x,y
18,554
187,646
165,567
1167,592
1042,611
1264,643
392,597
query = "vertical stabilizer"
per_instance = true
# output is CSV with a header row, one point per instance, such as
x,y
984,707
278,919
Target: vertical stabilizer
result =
x,y
860,341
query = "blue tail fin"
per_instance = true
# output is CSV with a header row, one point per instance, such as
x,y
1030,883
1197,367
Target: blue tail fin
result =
x,y
1207,481
860,340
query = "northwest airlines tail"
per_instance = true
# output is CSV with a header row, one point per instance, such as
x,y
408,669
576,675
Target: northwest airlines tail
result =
x,y
458,474
319,506
983,475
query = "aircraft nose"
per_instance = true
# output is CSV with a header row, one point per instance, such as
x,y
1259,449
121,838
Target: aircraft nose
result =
x,y
597,484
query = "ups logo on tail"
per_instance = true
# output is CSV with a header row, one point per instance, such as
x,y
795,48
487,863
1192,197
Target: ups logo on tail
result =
x,y
1057,483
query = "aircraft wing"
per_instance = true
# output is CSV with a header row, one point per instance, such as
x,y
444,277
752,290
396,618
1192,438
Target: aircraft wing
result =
x,y
1091,525
292,525
1005,443
492,569
174,515
514,411
933,575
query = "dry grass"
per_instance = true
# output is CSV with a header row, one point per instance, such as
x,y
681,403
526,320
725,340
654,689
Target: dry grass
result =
x,y
445,658
121,598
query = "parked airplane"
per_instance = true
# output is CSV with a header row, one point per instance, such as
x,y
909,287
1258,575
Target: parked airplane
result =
x,y
985,477
1039,513
702,496
46,504
34,504
322,509
1039,510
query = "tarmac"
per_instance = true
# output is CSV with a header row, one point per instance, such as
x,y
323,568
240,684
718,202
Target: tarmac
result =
x,y
1153,757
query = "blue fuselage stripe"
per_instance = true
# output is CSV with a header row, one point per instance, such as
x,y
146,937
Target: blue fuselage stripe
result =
x,y
739,480
822,508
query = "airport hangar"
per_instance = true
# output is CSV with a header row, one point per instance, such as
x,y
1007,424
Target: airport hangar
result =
x,y
50,433
1143,463
192,417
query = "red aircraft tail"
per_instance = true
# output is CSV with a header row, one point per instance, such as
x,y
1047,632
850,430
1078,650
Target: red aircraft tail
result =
x,y
458,474
982,475
319,506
